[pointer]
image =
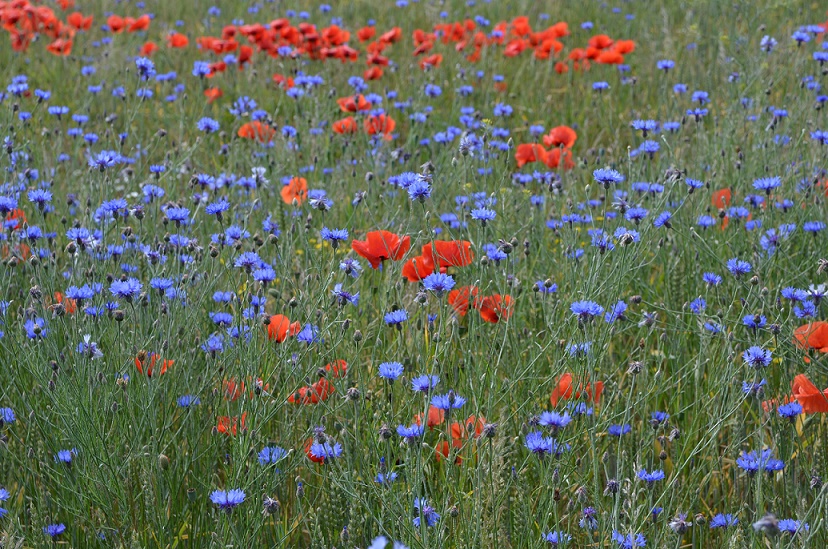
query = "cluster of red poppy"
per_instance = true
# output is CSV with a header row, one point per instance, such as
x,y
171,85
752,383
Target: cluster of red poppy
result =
x,y
320,390
24,21
376,124
560,138
459,432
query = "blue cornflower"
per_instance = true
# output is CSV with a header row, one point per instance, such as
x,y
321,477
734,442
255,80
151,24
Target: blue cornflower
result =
x,y
793,527
227,499
271,454
344,297
767,184
186,401
447,401
309,334
663,220
396,318
104,160
790,410
557,538
723,521
737,267
693,184
41,197
554,420
248,261
65,456
424,383
334,236
390,370
698,305
146,68
178,215
419,190
385,479
126,289
438,283
217,208
619,430
538,444
586,310
208,125
629,541
600,86
700,97
54,530
807,309
813,227
635,214
651,477
325,450
7,415
410,433
484,215
658,418
425,511
757,357
605,176
752,388
752,462
201,68
711,279
588,521
665,64
755,321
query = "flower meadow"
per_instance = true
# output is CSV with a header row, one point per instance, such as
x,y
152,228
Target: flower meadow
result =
x,y
413,274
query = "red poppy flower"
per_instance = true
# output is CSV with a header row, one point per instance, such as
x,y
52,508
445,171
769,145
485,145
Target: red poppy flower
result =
x,y
228,425
381,245
284,82
721,198
296,189
313,394
115,23
280,328
561,67
812,336
417,268
257,130
232,389
69,305
564,390
494,308
600,41
346,125
140,24
338,368
353,103
610,57
374,73
61,47
148,49
553,159
432,61
461,298
434,417
366,33
145,363
527,153
391,36
624,46
177,40
811,399
212,94
560,135
78,21
379,124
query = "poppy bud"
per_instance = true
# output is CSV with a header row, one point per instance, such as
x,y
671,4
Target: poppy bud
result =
x,y
662,456
293,303
163,462
754,280
357,336
385,432
453,511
